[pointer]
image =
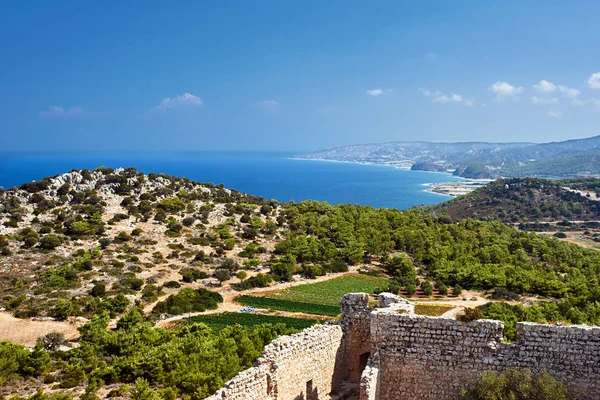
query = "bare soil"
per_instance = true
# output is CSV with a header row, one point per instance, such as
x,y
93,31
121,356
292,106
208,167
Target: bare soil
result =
x,y
26,332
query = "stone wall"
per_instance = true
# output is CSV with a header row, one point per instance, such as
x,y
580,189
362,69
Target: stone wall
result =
x,y
403,306
369,380
424,357
295,367
390,354
357,344
251,384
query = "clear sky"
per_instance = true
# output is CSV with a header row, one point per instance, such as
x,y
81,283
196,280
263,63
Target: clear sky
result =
x,y
294,75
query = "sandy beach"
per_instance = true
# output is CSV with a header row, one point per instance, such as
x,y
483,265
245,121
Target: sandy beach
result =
x,y
457,188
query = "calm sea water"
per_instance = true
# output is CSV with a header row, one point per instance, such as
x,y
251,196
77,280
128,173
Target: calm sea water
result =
x,y
271,175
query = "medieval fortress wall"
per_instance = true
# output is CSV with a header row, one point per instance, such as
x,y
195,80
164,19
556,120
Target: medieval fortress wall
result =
x,y
295,367
436,357
390,353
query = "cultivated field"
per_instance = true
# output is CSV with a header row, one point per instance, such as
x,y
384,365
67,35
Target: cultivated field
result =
x,y
330,292
218,322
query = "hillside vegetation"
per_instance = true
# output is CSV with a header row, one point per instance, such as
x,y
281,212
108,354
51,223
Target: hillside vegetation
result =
x,y
101,245
86,242
569,163
138,360
525,200
121,237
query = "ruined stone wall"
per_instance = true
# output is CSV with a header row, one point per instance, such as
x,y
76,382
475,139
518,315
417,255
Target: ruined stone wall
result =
x,y
424,357
369,380
251,384
295,367
357,343
388,354
303,365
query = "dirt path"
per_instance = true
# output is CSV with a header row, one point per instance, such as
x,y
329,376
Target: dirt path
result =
x,y
473,299
26,332
576,237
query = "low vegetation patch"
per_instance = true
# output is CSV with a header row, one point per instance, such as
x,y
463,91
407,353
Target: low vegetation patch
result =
x,y
516,384
542,312
188,300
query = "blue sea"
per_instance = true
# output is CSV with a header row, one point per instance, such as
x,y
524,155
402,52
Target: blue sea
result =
x,y
270,175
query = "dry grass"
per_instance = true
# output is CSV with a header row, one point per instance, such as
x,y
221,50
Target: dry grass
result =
x,y
432,310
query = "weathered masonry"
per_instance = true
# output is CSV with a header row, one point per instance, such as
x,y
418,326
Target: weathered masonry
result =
x,y
389,353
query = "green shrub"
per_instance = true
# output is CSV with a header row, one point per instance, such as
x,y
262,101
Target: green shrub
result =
x,y
188,300
427,288
171,205
122,237
172,285
516,384
259,280
442,289
64,309
98,290
192,274
457,290
470,314
188,221
17,361
52,341
50,242
222,275
136,232
174,226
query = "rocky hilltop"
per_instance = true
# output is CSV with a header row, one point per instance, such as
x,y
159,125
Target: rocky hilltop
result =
x,y
86,241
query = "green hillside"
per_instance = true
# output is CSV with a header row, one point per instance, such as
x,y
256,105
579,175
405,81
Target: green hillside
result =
x,y
524,200
575,163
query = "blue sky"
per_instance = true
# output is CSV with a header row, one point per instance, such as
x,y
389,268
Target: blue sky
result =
x,y
294,75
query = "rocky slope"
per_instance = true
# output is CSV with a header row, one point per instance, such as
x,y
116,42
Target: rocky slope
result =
x,y
79,243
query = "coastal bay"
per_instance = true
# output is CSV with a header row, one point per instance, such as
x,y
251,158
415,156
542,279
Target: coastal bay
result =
x,y
270,175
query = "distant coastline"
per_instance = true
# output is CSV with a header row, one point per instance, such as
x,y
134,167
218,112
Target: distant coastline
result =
x,y
352,162
446,189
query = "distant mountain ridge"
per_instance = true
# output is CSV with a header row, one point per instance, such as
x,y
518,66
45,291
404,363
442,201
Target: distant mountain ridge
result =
x,y
577,157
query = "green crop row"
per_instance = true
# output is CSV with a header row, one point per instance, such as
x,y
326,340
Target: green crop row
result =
x,y
288,305
219,321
